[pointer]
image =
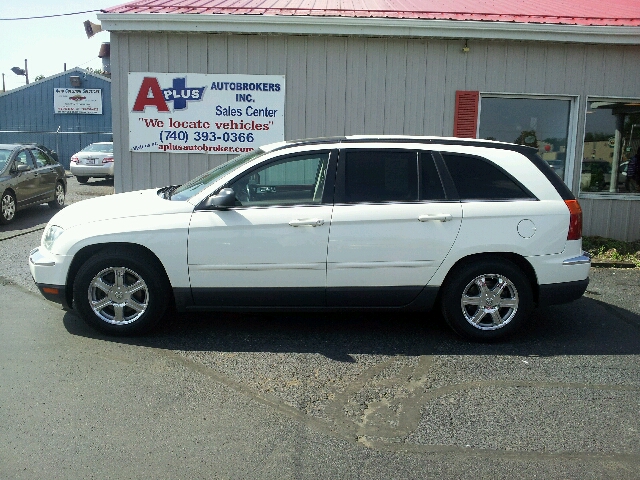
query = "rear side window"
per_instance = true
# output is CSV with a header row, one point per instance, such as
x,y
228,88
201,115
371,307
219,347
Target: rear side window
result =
x,y
41,158
476,178
375,176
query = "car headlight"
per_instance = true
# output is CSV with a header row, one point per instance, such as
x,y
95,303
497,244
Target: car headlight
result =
x,y
51,233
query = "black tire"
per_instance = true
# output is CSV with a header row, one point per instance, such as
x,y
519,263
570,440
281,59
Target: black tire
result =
x,y
82,179
8,208
486,300
58,199
120,309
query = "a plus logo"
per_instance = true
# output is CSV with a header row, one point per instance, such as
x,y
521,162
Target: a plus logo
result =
x,y
150,94
180,94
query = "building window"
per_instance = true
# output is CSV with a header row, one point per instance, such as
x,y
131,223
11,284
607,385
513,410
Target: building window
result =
x,y
611,140
539,122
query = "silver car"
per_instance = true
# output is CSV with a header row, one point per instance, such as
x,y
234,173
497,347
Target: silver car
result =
x,y
29,175
95,160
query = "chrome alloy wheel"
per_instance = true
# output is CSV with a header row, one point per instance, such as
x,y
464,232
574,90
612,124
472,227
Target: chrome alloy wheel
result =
x,y
59,194
489,302
8,207
118,295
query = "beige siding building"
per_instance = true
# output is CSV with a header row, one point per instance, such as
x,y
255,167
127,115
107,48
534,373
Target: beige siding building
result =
x,y
546,81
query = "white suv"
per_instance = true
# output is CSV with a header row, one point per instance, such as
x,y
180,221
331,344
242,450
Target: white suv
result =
x,y
484,230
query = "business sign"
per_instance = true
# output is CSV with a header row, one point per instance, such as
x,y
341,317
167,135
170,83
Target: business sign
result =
x,y
202,113
86,101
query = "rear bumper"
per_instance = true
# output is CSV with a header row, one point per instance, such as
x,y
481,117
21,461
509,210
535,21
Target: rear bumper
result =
x,y
558,293
102,170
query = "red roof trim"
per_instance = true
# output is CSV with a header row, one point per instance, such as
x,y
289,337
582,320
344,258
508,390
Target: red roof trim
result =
x,y
568,12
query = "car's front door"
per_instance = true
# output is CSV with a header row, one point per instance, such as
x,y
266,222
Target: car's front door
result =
x,y
271,248
392,227
26,181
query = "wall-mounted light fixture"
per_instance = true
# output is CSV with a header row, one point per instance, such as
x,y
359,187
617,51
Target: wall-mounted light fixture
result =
x,y
465,49
91,28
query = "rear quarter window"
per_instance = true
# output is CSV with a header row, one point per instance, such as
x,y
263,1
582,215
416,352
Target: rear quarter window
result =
x,y
477,178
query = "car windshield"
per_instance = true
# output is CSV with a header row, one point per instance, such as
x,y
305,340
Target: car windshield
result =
x,y
198,184
99,147
4,156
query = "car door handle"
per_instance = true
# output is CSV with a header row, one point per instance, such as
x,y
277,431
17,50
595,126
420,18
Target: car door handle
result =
x,y
441,217
307,222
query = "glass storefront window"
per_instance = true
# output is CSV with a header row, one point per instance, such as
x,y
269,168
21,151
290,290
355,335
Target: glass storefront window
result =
x,y
542,123
611,140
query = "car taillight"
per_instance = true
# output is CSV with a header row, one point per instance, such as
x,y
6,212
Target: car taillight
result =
x,y
575,220
107,160
74,159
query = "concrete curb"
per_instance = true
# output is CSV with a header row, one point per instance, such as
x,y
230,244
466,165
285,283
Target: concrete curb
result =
x,y
17,233
612,264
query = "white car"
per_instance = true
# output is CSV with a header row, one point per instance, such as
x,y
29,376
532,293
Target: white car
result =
x,y
484,230
94,160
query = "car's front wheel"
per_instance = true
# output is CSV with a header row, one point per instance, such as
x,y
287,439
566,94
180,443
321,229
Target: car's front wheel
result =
x,y
8,206
121,292
58,200
82,179
486,300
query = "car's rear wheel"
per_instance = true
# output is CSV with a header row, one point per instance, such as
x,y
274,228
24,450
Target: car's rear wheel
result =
x,y
121,292
82,179
58,200
8,206
486,300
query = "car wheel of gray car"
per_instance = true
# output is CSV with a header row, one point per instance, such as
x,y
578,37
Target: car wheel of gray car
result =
x,y
486,300
82,179
58,201
8,205
121,292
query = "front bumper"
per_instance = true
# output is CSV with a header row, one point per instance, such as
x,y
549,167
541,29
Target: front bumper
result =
x,y
49,273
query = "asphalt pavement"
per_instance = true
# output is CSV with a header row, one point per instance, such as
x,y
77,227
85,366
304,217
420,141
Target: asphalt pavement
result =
x,y
318,396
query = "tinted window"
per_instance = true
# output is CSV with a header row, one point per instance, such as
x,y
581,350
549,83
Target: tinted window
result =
x,y
430,184
381,176
478,179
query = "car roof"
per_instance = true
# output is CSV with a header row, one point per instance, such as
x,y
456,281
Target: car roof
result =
x,y
399,139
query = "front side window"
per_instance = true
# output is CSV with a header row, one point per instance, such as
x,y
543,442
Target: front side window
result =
x,y
296,180
196,185
23,158
542,123
478,179
376,176
611,151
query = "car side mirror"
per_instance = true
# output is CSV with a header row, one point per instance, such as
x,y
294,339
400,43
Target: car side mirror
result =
x,y
23,168
226,198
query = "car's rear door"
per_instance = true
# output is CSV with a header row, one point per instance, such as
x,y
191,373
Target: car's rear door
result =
x,y
392,226
46,174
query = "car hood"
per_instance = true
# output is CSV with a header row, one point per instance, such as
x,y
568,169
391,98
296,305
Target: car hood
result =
x,y
123,205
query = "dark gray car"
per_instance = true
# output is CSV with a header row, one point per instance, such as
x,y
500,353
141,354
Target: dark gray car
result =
x,y
29,175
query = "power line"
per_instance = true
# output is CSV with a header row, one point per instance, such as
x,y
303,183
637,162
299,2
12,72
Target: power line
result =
x,y
51,16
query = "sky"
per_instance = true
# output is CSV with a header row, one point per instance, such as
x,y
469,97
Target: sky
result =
x,y
48,43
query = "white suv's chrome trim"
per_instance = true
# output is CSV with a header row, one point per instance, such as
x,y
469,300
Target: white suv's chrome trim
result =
x,y
37,258
581,260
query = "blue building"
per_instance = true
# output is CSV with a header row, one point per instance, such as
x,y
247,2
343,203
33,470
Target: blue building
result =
x,y
65,112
